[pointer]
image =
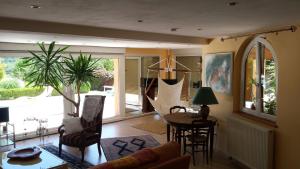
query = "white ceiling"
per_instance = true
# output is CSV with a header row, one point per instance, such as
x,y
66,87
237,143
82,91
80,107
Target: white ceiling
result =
x,y
27,37
214,17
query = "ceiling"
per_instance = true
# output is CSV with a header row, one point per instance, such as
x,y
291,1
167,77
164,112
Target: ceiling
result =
x,y
213,17
27,37
194,19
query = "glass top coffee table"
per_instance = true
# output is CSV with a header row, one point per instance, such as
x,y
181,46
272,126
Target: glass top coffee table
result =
x,y
46,160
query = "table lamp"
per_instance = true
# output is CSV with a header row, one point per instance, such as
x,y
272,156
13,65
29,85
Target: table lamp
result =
x,y
4,114
204,96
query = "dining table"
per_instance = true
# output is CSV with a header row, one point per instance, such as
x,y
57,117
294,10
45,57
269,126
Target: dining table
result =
x,y
183,121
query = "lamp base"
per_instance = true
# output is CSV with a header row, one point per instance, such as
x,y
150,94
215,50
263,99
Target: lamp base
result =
x,y
204,112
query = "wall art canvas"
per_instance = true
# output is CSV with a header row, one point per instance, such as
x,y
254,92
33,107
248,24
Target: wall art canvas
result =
x,y
218,71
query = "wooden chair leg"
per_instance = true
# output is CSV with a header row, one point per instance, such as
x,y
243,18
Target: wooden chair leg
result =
x,y
184,145
206,152
193,153
59,149
203,152
99,148
82,153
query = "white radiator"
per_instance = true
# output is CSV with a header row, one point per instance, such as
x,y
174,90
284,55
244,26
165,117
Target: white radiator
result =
x,y
250,144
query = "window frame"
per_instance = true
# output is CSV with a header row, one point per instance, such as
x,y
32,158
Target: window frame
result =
x,y
257,42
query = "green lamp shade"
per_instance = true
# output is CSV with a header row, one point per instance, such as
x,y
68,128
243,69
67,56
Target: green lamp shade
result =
x,y
205,96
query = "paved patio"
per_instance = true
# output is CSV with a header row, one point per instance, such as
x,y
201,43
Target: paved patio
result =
x,y
46,108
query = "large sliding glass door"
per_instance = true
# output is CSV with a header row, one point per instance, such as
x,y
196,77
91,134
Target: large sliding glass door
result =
x,y
31,107
105,84
28,106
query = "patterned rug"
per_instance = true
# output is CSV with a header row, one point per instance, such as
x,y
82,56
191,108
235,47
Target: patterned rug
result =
x,y
115,148
73,161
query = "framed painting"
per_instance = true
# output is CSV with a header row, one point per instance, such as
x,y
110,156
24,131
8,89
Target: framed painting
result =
x,y
218,71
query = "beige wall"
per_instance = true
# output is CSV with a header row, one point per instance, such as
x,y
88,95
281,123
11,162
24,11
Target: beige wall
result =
x,y
286,46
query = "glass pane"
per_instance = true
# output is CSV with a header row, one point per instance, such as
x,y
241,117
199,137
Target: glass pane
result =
x,y
147,61
103,84
132,82
29,107
269,82
250,80
190,84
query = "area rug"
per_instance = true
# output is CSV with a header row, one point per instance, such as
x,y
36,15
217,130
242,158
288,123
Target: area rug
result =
x,y
115,148
153,126
73,161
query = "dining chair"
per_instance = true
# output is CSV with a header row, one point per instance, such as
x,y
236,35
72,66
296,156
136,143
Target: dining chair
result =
x,y
199,137
176,109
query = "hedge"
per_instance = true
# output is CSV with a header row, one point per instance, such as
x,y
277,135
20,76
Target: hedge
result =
x,y
8,94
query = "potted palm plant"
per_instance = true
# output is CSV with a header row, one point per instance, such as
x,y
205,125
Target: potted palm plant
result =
x,y
50,68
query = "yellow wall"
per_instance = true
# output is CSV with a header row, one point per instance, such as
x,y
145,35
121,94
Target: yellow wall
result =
x,y
286,46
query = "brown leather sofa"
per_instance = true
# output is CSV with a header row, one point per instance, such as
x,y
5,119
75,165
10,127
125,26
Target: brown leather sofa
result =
x,y
164,156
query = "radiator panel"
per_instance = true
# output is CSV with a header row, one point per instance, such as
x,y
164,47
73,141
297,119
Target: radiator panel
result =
x,y
250,144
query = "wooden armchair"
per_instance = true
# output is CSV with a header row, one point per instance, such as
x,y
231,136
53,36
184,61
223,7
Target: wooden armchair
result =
x,y
91,121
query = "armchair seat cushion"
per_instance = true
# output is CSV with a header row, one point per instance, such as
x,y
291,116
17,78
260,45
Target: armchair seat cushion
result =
x,y
76,139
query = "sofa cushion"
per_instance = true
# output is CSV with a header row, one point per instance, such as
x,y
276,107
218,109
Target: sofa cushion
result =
x,y
176,163
168,151
139,158
145,156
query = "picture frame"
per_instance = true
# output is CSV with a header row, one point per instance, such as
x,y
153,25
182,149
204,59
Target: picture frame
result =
x,y
218,68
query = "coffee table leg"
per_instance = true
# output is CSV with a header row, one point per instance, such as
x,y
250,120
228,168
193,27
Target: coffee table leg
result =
x,y
168,132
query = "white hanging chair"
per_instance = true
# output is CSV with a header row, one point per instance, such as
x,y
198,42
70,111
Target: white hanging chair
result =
x,y
167,97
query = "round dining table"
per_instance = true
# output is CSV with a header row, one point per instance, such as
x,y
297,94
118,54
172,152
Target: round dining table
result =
x,y
183,121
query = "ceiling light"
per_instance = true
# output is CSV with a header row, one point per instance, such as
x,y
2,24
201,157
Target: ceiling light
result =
x,y
35,6
232,3
174,29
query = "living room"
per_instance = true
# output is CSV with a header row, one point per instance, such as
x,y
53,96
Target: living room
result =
x,y
256,91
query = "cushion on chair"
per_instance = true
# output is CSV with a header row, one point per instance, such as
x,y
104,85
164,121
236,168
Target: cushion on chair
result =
x,y
176,163
72,125
76,139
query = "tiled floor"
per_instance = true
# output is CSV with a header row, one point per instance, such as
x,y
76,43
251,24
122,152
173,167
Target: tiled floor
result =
x,y
123,128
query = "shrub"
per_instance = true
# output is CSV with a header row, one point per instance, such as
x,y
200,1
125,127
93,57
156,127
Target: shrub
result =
x,y
85,88
10,84
2,71
103,77
7,94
